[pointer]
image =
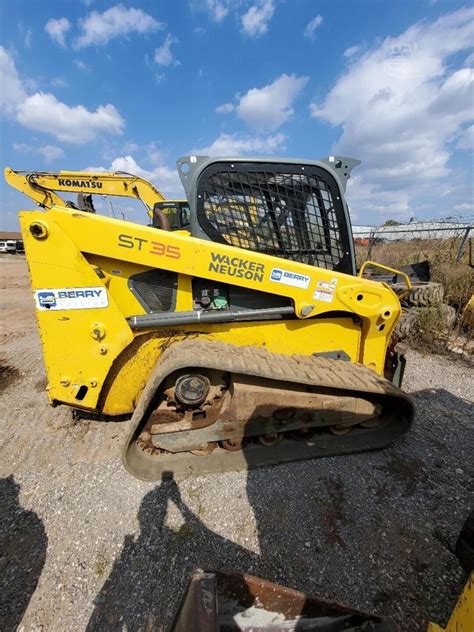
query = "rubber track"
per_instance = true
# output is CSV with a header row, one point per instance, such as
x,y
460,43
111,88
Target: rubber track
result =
x,y
309,370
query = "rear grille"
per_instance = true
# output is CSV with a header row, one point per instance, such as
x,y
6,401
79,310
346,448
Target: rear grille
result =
x,y
155,290
290,211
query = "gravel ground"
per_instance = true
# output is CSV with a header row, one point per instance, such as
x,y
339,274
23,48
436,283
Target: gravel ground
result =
x,y
87,547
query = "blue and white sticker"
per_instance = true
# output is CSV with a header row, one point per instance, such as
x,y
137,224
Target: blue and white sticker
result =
x,y
290,278
71,298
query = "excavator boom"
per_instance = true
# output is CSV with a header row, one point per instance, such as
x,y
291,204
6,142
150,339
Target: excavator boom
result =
x,y
42,186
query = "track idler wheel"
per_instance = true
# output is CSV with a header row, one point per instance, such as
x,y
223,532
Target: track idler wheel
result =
x,y
340,429
270,439
232,445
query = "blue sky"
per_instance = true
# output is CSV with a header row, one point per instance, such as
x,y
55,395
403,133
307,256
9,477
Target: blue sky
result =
x,y
132,86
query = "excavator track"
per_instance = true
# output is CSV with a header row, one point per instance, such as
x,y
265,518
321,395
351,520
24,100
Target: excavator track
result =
x,y
395,410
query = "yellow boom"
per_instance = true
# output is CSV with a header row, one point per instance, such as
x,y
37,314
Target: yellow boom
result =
x,y
41,186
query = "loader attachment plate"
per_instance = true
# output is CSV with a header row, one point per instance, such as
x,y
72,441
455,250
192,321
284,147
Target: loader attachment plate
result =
x,y
332,378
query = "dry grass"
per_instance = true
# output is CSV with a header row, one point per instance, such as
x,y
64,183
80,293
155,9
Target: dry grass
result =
x,y
432,333
456,277
457,280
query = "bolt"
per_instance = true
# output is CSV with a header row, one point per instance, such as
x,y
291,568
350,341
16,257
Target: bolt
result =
x,y
103,350
93,383
64,381
98,331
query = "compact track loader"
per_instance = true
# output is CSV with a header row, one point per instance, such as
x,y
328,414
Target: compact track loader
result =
x,y
246,339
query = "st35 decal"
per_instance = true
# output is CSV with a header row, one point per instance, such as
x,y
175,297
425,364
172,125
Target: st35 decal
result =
x,y
71,298
151,247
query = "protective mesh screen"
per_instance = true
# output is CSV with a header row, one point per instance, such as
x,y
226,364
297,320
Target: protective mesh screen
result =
x,y
280,210
155,289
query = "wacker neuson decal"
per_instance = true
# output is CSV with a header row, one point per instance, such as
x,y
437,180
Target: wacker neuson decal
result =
x,y
71,298
236,267
290,278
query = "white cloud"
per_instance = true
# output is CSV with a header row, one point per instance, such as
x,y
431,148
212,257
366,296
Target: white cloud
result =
x,y
27,38
59,82
81,65
351,51
465,206
164,55
44,113
12,92
265,109
235,145
466,140
399,106
225,108
253,15
118,21
165,179
218,9
312,26
57,30
49,152
255,20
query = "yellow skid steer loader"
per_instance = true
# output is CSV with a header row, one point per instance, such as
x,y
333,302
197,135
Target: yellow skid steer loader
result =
x,y
246,339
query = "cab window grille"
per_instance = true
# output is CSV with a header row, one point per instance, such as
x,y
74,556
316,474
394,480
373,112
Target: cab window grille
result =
x,y
276,209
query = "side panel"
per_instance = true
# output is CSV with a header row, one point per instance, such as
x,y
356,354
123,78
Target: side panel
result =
x,y
72,251
79,345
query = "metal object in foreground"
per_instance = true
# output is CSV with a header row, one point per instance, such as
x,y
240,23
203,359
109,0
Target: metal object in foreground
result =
x,y
218,601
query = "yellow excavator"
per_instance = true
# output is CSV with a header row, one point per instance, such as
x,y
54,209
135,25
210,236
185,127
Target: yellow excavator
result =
x,y
44,187
243,338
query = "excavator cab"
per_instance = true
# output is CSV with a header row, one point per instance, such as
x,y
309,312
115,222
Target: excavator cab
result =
x,y
85,202
177,212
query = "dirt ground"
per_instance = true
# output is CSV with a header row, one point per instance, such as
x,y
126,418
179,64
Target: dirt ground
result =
x,y
87,547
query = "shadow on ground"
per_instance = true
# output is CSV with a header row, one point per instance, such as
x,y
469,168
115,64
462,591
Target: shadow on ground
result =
x,y
362,529
23,545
